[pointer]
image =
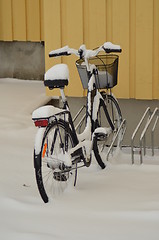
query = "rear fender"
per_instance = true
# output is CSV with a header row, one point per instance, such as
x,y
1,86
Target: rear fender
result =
x,y
37,146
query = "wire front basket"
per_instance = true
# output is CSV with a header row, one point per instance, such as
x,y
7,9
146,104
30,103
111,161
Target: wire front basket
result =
x,y
106,74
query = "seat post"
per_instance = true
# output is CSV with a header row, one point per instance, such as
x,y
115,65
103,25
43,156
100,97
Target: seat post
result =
x,y
64,100
63,95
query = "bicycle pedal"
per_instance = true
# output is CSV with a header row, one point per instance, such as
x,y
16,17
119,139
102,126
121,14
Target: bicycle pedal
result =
x,y
102,133
101,136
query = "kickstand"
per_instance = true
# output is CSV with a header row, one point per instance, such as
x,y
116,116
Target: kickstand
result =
x,y
75,176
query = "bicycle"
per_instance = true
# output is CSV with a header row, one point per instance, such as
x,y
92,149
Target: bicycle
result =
x,y
59,150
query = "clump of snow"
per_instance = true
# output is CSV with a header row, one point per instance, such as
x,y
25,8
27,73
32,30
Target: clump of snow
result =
x,y
85,144
86,134
60,50
58,71
103,130
120,202
66,50
65,158
96,105
109,45
46,112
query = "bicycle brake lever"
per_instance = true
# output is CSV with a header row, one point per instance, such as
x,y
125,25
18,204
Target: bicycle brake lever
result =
x,y
80,51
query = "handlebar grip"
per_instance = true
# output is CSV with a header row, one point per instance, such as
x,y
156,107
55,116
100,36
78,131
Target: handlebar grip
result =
x,y
110,47
64,51
108,50
58,54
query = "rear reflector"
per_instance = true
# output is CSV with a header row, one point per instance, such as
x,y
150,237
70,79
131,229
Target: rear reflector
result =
x,y
41,123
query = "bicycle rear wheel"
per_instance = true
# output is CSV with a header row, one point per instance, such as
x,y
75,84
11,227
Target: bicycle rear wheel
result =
x,y
102,141
53,167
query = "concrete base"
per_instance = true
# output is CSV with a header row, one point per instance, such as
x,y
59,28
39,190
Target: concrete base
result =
x,y
23,60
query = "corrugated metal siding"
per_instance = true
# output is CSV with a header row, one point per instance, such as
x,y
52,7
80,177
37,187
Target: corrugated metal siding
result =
x,y
21,20
134,24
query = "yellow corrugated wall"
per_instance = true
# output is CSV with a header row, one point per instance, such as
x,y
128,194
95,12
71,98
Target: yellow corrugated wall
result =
x,y
21,20
134,24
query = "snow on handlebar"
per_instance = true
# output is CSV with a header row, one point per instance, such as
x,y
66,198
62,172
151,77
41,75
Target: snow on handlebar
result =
x,y
108,47
65,51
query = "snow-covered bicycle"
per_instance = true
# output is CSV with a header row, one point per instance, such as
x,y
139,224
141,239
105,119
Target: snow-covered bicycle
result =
x,y
59,150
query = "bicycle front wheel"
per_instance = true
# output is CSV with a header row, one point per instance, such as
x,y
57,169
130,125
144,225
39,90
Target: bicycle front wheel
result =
x,y
101,142
53,167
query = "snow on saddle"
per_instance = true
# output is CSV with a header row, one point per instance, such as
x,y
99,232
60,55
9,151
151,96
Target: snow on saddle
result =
x,y
57,76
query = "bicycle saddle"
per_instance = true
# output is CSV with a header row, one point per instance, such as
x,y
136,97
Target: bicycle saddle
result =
x,y
57,76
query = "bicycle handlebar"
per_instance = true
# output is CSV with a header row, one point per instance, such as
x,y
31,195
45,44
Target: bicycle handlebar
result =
x,y
82,52
65,51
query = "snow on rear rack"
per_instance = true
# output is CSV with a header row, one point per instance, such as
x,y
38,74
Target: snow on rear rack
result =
x,y
43,115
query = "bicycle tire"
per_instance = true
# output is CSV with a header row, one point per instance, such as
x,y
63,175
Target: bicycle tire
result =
x,y
51,178
99,142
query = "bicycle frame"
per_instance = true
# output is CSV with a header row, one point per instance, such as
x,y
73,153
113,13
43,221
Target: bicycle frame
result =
x,y
94,98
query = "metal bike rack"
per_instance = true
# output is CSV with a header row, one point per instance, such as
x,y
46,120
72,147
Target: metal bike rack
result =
x,y
121,128
143,138
146,115
142,141
153,132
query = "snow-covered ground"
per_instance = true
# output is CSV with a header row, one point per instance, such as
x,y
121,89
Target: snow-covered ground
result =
x,y
120,202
